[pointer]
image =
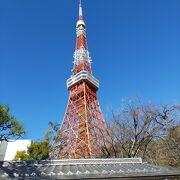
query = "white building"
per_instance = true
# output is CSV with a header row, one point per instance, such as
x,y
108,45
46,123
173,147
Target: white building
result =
x,y
8,149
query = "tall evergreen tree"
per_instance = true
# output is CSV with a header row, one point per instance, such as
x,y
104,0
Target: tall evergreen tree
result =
x,y
10,128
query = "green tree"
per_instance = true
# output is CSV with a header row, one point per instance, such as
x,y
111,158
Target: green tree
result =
x,y
10,128
39,150
21,155
50,134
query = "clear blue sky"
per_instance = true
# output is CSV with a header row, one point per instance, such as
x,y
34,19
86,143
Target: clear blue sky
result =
x,y
134,45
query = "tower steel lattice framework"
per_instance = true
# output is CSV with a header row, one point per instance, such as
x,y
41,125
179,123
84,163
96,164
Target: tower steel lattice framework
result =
x,y
83,132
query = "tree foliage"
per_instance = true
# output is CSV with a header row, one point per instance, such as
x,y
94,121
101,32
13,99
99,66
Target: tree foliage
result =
x,y
39,150
10,128
166,151
50,135
21,155
171,147
136,127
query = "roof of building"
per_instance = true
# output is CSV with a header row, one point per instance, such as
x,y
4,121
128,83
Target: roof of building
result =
x,y
85,168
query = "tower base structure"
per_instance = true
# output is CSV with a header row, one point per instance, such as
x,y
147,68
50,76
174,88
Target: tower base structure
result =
x,y
83,133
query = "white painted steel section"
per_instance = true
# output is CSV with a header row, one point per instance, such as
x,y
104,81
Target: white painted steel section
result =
x,y
80,9
80,22
80,30
83,75
81,55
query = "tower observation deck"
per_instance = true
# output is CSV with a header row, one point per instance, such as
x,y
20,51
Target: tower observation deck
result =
x,y
83,132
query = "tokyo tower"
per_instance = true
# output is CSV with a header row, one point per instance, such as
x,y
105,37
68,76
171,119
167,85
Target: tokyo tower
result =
x,y
83,132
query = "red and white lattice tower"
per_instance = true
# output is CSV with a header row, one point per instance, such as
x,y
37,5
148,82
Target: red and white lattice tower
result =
x,y
83,132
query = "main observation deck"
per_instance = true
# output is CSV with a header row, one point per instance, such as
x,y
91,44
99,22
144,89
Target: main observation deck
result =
x,y
83,75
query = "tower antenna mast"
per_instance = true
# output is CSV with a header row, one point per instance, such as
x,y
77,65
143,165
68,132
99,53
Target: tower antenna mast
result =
x,y
80,10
